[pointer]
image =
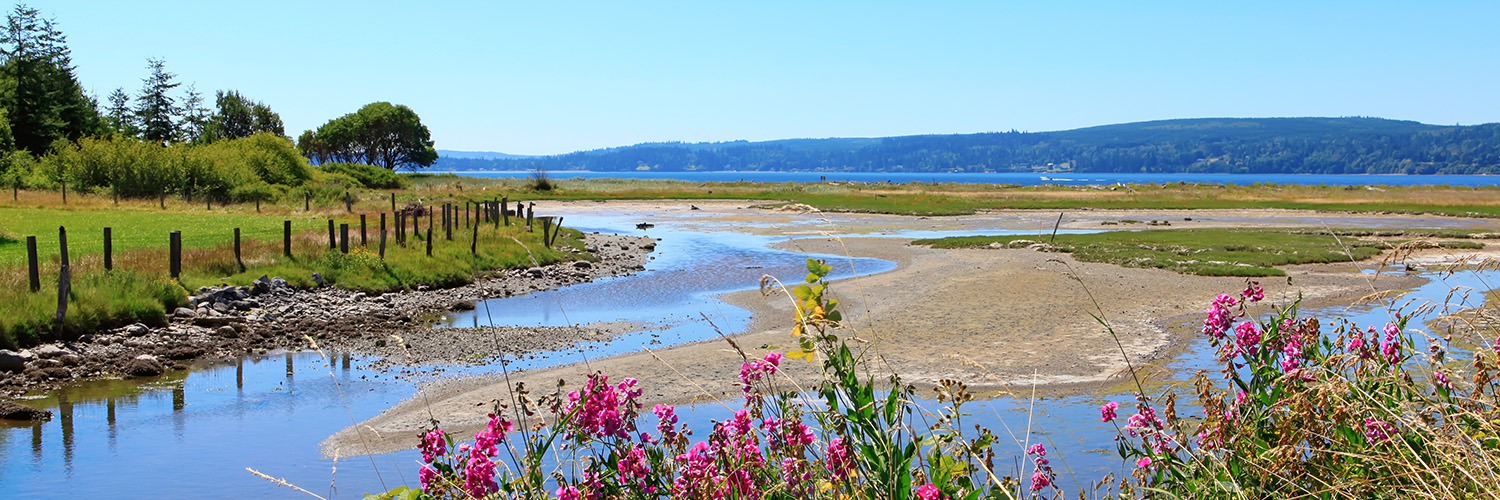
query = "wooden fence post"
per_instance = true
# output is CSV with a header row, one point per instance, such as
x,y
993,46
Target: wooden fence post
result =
x,y
163,199
64,278
429,234
332,243
307,202
466,212
286,238
382,236
344,238
32,266
65,192
474,240
400,228
448,220
237,259
364,240
109,250
257,205
546,229
174,242
530,211
505,209
556,228
393,202
348,202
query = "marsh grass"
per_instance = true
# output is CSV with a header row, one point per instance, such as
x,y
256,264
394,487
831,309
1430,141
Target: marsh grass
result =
x,y
1206,252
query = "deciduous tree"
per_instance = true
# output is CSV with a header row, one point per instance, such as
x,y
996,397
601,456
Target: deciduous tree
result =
x,y
380,134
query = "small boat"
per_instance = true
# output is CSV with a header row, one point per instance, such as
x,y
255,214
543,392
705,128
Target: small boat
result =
x,y
645,225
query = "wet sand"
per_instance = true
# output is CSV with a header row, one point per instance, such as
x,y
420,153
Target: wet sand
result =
x,y
997,319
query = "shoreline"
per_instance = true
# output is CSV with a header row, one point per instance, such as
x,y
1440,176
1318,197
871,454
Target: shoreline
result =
x,y
233,321
934,317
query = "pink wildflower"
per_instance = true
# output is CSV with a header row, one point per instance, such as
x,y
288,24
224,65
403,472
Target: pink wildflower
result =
x,y
604,410
1107,412
433,445
774,359
1378,431
1391,346
1218,316
479,475
1253,292
1144,463
839,461
929,491
427,476
1247,336
569,493
1440,379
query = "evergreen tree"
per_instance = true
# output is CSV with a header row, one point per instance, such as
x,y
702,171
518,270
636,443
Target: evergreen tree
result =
x,y
119,116
155,108
41,95
195,117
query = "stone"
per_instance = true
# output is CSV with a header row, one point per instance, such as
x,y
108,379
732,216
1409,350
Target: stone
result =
x,y
317,278
183,312
49,351
144,365
462,305
136,330
261,285
227,331
70,359
11,361
278,284
13,411
358,297
222,308
57,372
583,264
242,305
536,272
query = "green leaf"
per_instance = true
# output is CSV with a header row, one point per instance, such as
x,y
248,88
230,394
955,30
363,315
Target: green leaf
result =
x,y
803,292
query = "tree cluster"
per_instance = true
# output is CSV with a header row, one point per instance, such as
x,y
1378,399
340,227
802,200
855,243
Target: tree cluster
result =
x,y
381,134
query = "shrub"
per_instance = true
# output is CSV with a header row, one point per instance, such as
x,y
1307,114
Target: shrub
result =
x,y
368,176
144,169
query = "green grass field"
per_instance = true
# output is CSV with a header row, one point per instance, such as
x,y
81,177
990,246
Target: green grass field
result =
x,y
1206,252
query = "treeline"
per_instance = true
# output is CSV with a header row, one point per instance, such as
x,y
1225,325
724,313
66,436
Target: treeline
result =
x,y
1270,145
165,138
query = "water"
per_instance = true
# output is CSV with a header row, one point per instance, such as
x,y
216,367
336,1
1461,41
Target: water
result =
x,y
1024,179
193,434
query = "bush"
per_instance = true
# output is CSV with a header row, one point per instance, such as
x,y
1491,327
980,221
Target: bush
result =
x,y
144,169
368,176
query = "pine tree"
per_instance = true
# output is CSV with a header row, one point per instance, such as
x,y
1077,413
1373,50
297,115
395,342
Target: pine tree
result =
x,y
43,99
155,108
194,116
120,117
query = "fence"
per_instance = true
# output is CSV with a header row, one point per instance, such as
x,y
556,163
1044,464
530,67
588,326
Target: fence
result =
x,y
494,213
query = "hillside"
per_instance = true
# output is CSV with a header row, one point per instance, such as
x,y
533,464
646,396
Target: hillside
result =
x,y
1207,145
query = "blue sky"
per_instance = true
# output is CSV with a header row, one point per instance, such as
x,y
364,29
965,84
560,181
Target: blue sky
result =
x,y
554,77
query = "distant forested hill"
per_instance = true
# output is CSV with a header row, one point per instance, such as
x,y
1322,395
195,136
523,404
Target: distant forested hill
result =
x,y
1208,145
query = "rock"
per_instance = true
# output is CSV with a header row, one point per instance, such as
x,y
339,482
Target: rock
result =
x,y
136,330
183,312
144,366
217,321
11,361
12,411
278,284
317,278
242,305
358,296
57,372
261,285
70,359
462,305
184,352
222,308
227,331
49,351
583,264
536,272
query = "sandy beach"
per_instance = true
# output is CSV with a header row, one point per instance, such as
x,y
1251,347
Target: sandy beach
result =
x,y
999,320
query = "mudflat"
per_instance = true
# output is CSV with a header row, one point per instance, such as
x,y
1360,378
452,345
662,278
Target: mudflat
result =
x,y
1001,320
